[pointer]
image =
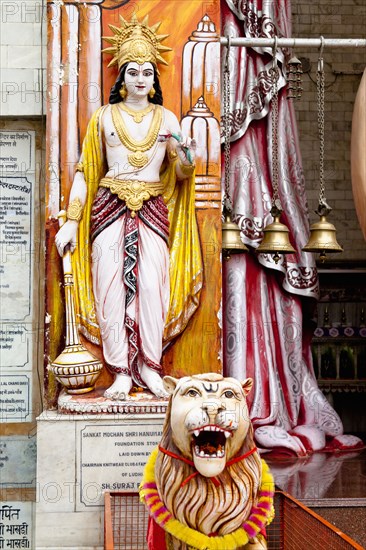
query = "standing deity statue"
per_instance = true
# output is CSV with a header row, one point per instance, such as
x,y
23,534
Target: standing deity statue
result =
x,y
131,220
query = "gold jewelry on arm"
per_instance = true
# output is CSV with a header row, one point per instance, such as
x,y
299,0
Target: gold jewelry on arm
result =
x,y
187,169
75,210
79,167
173,155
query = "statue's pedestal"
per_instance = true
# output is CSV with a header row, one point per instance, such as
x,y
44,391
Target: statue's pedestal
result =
x,y
79,457
94,403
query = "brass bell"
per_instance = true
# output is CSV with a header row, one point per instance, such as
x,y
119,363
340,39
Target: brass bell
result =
x,y
231,241
322,234
294,88
276,237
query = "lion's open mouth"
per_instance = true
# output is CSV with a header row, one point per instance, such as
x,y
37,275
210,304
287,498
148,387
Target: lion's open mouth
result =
x,y
209,441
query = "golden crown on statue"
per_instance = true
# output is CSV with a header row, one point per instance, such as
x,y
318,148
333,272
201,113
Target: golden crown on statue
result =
x,y
136,41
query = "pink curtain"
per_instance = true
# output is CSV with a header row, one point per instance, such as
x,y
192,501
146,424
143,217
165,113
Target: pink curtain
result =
x,y
267,332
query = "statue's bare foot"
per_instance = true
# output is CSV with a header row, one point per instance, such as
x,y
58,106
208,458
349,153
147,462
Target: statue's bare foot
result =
x,y
120,388
153,382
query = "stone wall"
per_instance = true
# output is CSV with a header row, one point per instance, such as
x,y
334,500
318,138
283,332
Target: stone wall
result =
x,y
343,71
23,28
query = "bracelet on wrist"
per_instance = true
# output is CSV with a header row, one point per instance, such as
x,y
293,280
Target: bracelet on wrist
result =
x,y
75,210
79,167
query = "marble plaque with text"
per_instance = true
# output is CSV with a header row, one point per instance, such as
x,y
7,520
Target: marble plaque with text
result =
x,y
15,397
17,334
112,458
16,525
18,458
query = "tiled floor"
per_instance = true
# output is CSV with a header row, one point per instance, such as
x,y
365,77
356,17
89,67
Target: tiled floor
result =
x,y
322,476
332,484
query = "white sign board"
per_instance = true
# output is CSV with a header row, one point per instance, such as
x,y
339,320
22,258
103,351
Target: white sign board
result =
x,y
17,337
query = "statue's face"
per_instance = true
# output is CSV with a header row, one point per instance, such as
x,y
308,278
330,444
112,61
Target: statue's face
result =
x,y
139,79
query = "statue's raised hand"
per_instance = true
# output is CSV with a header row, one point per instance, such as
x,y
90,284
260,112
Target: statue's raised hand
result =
x,y
66,235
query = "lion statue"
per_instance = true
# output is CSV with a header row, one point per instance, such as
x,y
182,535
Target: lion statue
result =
x,y
206,486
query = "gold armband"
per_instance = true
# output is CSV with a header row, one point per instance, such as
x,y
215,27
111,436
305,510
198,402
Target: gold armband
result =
x,y
187,169
79,167
173,154
75,210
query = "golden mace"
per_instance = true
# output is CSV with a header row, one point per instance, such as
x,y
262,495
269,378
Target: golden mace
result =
x,y
76,368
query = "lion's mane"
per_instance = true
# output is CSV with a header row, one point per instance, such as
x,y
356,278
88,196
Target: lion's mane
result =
x,y
199,504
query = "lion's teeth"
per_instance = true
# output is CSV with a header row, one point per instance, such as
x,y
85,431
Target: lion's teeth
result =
x,y
202,453
197,449
196,433
227,434
207,429
214,455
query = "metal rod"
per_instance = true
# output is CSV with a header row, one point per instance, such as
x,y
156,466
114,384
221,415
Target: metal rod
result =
x,y
295,42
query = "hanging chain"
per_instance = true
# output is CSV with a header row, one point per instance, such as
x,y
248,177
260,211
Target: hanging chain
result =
x,y
227,204
321,108
274,120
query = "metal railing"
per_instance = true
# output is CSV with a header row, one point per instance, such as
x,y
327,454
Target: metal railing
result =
x,y
295,526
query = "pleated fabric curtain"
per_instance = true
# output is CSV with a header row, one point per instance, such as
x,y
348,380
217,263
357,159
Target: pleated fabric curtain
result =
x,y
268,307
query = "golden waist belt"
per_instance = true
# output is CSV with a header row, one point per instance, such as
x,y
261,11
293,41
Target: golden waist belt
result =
x,y
133,192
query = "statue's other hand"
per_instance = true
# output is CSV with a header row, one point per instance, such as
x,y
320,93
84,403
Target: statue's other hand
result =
x,y
66,235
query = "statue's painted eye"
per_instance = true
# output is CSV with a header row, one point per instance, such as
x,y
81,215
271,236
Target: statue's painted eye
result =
x,y
229,394
192,393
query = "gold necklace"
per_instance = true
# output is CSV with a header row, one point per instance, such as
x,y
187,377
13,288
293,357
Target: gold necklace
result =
x,y
137,158
136,115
